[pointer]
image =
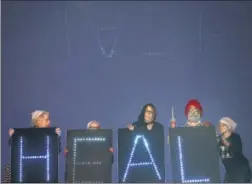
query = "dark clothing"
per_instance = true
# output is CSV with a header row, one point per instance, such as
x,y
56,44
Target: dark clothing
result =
x,y
235,163
139,124
112,158
241,175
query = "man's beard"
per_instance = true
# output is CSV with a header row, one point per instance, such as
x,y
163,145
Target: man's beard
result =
x,y
193,118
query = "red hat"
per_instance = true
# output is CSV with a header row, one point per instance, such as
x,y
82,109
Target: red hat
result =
x,y
194,103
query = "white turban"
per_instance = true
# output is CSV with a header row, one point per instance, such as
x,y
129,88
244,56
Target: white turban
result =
x,y
229,122
36,114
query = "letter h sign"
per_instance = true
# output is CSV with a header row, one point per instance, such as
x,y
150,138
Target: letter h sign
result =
x,y
34,155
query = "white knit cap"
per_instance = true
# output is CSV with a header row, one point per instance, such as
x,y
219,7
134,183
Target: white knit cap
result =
x,y
91,122
229,122
36,114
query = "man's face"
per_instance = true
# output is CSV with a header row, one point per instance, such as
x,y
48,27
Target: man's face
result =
x,y
193,116
223,128
43,121
149,115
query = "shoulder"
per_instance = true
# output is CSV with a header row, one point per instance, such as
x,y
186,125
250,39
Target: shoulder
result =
x,y
235,136
136,123
157,124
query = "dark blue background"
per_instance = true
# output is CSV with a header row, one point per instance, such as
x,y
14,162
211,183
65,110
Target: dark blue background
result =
x,y
165,53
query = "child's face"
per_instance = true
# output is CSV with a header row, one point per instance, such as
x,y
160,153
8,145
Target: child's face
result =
x,y
43,121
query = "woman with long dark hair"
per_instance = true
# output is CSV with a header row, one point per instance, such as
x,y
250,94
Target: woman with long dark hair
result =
x,y
146,118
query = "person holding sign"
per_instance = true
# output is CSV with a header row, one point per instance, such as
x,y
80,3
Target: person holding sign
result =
x,y
193,112
230,150
147,118
40,119
94,125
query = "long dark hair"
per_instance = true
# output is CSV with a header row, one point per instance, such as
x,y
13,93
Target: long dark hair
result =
x,y
141,115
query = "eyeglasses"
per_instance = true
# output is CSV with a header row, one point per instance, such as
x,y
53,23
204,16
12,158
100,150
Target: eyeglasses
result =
x,y
151,112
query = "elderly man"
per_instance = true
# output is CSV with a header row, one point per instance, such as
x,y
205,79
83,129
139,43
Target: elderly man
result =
x,y
193,112
230,150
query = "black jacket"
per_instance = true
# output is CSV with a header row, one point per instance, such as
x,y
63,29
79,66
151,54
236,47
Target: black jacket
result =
x,y
139,124
232,156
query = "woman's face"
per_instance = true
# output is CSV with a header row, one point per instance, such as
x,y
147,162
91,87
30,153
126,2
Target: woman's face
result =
x,y
223,128
149,114
43,121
